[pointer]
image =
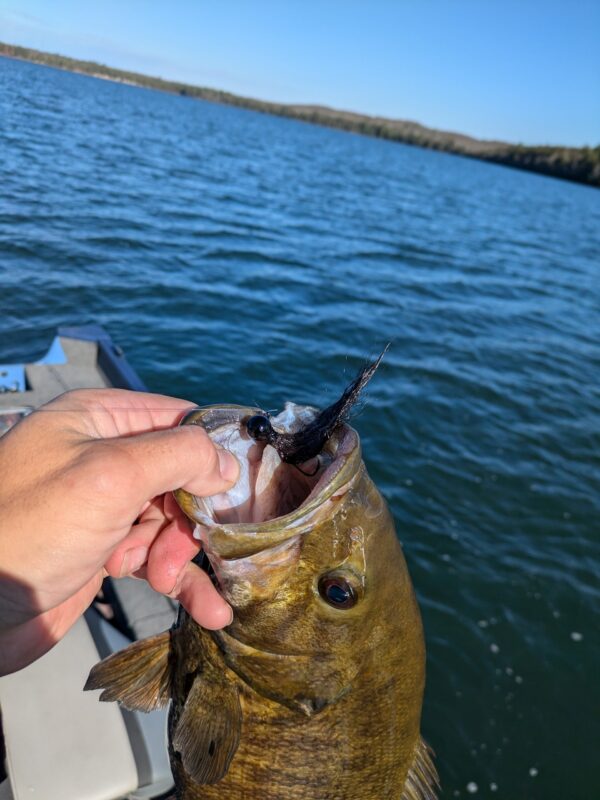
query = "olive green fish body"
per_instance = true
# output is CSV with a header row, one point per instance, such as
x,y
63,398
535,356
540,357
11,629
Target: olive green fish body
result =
x,y
315,689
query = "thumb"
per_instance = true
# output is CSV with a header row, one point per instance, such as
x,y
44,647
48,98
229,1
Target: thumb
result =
x,y
178,458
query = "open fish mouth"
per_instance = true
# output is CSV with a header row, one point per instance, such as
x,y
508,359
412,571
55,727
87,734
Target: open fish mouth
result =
x,y
293,468
268,490
252,534
286,463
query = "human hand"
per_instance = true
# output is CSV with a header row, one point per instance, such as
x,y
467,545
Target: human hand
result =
x,y
85,492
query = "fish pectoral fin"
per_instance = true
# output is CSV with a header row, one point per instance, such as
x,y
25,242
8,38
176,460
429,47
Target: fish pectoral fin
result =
x,y
138,677
422,781
208,731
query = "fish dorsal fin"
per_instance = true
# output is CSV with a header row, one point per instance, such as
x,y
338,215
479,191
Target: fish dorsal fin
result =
x,y
138,677
208,731
422,781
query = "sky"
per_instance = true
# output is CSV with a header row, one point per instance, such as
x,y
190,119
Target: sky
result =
x,y
521,71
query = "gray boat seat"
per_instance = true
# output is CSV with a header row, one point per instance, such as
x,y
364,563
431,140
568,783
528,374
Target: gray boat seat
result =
x,y
145,611
63,744
56,741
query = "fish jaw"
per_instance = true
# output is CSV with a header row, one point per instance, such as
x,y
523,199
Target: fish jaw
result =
x,y
271,501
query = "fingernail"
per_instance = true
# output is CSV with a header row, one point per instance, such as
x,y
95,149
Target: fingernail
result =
x,y
228,465
227,623
133,560
177,584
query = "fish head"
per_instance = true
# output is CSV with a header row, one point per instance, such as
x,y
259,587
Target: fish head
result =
x,y
308,559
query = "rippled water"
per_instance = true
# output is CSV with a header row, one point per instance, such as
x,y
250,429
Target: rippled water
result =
x,y
244,258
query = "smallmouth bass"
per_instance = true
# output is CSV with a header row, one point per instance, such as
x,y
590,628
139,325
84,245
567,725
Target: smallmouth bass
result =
x,y
314,691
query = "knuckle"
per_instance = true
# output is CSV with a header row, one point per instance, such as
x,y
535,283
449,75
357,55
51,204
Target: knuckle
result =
x,y
80,398
109,470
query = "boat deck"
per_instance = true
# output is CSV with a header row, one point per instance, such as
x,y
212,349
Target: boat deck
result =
x,y
59,742
45,381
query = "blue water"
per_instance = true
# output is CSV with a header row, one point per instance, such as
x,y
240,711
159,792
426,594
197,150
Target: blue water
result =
x,y
239,257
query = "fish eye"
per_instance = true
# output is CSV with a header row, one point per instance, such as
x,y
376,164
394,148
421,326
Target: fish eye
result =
x,y
259,428
337,591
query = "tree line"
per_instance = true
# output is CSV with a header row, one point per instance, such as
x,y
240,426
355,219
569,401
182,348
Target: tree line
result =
x,y
580,164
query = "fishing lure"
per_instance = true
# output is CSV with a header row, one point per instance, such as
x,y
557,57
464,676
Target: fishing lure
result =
x,y
299,447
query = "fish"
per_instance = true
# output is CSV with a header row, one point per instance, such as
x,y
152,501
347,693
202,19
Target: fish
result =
x,y
315,689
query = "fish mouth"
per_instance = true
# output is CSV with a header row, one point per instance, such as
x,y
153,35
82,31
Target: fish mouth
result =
x,y
272,500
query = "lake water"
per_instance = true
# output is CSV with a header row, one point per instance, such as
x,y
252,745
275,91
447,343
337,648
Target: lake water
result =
x,y
244,258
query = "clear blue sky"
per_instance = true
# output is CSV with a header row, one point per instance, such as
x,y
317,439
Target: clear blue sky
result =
x,y
519,70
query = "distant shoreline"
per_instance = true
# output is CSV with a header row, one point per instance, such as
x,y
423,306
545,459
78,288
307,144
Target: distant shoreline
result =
x,y
579,164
